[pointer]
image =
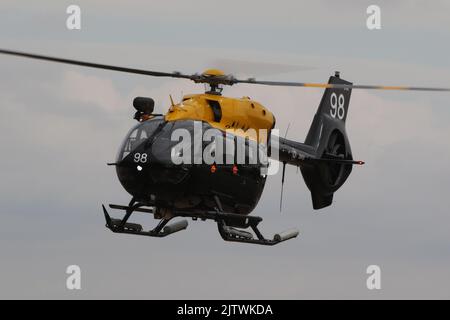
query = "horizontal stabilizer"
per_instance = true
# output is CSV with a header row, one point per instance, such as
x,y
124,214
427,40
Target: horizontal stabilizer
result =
x,y
336,160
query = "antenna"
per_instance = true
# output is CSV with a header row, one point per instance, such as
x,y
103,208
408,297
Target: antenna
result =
x,y
287,130
282,186
171,100
284,171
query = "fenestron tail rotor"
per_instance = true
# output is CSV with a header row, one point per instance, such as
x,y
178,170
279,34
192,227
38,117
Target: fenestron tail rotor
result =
x,y
217,78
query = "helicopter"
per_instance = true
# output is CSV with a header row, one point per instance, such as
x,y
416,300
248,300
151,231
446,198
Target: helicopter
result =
x,y
225,192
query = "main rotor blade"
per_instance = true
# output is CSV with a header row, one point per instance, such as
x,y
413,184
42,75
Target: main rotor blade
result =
x,y
229,80
338,86
96,65
245,68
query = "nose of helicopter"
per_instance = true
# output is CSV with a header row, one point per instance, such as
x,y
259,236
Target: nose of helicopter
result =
x,y
144,165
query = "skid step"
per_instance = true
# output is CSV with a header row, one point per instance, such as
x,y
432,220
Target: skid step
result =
x,y
237,233
116,223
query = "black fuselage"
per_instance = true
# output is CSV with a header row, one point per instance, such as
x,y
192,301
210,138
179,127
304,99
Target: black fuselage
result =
x,y
146,170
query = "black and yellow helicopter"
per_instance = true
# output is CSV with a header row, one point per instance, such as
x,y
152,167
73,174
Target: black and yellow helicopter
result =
x,y
224,192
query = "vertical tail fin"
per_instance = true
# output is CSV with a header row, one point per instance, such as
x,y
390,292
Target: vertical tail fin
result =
x,y
331,114
328,137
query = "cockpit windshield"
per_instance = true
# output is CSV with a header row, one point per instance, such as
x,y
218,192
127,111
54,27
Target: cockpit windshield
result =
x,y
137,135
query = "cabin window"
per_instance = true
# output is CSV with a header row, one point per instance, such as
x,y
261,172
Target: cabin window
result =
x,y
216,109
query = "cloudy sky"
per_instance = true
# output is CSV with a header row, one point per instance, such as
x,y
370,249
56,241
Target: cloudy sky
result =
x,y
60,125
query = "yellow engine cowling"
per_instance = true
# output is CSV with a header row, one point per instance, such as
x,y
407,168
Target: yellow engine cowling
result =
x,y
237,116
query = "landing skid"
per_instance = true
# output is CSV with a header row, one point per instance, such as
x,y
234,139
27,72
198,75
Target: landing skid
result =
x,y
163,229
230,225
237,235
